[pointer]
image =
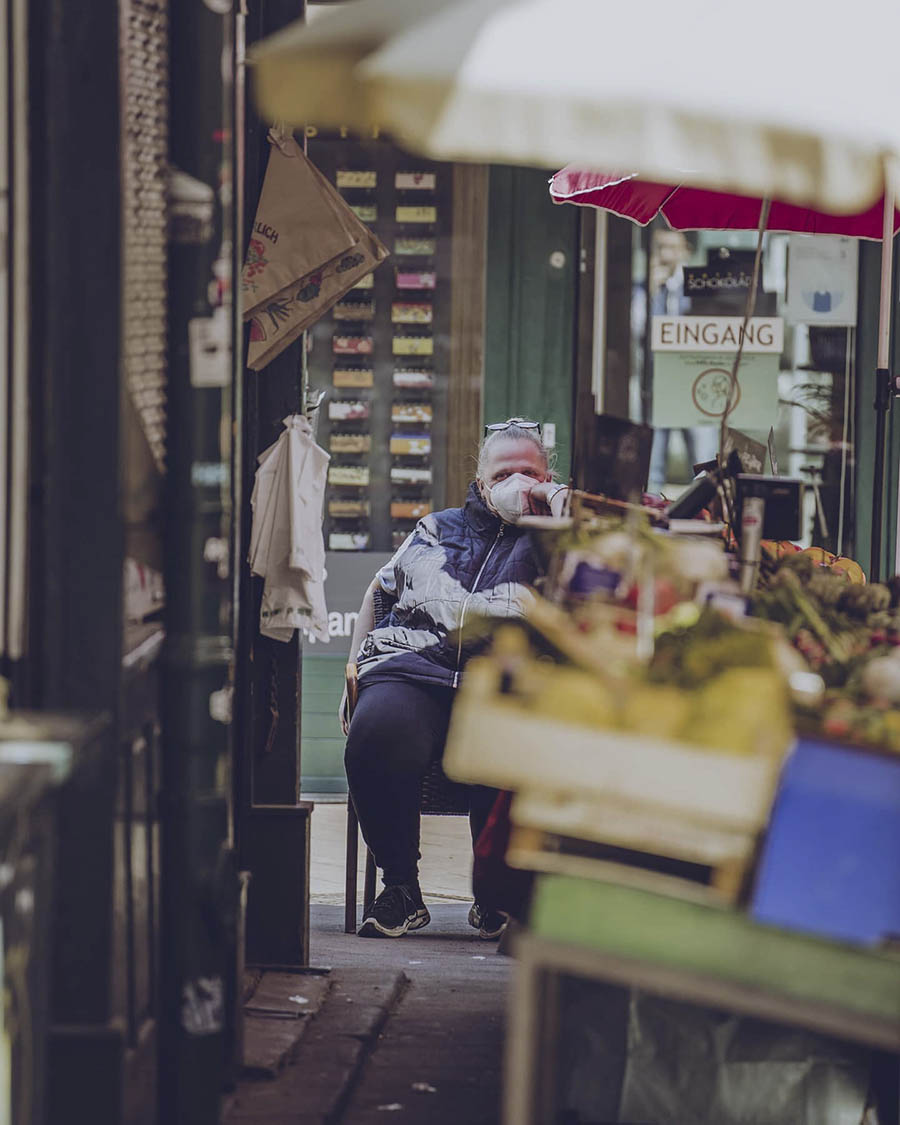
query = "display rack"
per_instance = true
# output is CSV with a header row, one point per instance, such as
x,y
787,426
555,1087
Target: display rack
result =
x,y
382,353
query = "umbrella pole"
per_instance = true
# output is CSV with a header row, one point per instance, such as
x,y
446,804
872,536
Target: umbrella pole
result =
x,y
749,309
883,383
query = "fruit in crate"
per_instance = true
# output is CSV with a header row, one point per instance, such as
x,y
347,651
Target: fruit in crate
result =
x,y
570,695
742,711
712,684
543,681
656,710
691,656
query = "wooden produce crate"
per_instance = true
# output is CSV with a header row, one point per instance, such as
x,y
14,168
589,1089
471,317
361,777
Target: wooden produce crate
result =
x,y
549,833
493,742
651,797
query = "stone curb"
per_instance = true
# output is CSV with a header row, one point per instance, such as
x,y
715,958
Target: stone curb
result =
x,y
321,1072
276,1017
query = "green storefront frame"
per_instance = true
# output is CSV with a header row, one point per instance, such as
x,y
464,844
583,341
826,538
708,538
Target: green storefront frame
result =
x,y
322,743
864,446
531,300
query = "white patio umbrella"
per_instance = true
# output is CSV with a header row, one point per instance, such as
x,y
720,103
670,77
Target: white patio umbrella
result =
x,y
774,98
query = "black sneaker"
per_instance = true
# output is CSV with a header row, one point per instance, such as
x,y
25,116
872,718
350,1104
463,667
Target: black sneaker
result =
x,y
489,923
396,910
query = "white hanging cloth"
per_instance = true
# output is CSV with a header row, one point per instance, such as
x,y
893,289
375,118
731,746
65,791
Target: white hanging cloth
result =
x,y
286,544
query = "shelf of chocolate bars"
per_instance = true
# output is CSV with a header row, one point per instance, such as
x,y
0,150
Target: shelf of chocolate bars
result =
x,y
349,409
380,349
349,505
411,461
413,349
349,416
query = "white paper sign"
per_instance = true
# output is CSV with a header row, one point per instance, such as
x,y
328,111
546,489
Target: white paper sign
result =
x,y
822,279
209,351
692,389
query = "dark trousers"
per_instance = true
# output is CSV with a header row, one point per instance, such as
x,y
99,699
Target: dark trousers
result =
x,y
397,730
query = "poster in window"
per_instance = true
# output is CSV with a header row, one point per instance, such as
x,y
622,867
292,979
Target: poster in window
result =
x,y
822,279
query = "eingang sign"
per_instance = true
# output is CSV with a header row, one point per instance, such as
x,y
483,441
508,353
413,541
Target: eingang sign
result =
x,y
764,335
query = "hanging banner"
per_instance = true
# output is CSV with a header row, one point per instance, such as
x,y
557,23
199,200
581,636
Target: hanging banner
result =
x,y
692,362
308,250
822,279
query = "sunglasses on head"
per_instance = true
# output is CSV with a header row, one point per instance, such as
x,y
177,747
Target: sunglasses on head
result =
x,y
522,423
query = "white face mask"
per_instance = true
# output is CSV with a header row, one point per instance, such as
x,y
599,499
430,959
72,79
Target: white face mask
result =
x,y
510,499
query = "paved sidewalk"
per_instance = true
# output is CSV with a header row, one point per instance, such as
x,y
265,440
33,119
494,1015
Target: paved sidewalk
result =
x,y
445,870
446,1031
410,1031
401,1031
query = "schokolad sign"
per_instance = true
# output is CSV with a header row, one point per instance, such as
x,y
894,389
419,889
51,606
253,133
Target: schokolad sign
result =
x,y
692,361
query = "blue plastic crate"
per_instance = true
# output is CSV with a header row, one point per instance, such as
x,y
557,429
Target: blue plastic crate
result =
x,y
831,860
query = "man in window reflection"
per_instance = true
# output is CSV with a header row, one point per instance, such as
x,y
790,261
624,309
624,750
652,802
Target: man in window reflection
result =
x,y
670,250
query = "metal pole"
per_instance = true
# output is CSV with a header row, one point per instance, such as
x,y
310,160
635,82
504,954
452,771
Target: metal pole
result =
x,y
883,387
199,885
268,817
764,209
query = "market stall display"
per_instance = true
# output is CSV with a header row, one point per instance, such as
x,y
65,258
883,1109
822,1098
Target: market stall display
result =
x,y
719,1018
480,83
644,713
669,752
848,632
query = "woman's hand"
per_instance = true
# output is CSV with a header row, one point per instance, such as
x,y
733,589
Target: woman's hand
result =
x,y
343,713
552,495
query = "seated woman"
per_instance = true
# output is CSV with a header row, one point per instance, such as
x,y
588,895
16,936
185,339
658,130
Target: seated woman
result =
x,y
458,562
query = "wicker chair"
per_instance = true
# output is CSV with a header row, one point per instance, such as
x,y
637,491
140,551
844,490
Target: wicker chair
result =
x,y
440,797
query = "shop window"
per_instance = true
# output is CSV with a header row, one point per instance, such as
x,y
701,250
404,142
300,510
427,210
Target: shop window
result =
x,y
796,383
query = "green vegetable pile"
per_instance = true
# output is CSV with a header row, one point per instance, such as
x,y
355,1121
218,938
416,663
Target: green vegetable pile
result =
x,y
843,631
832,622
690,657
